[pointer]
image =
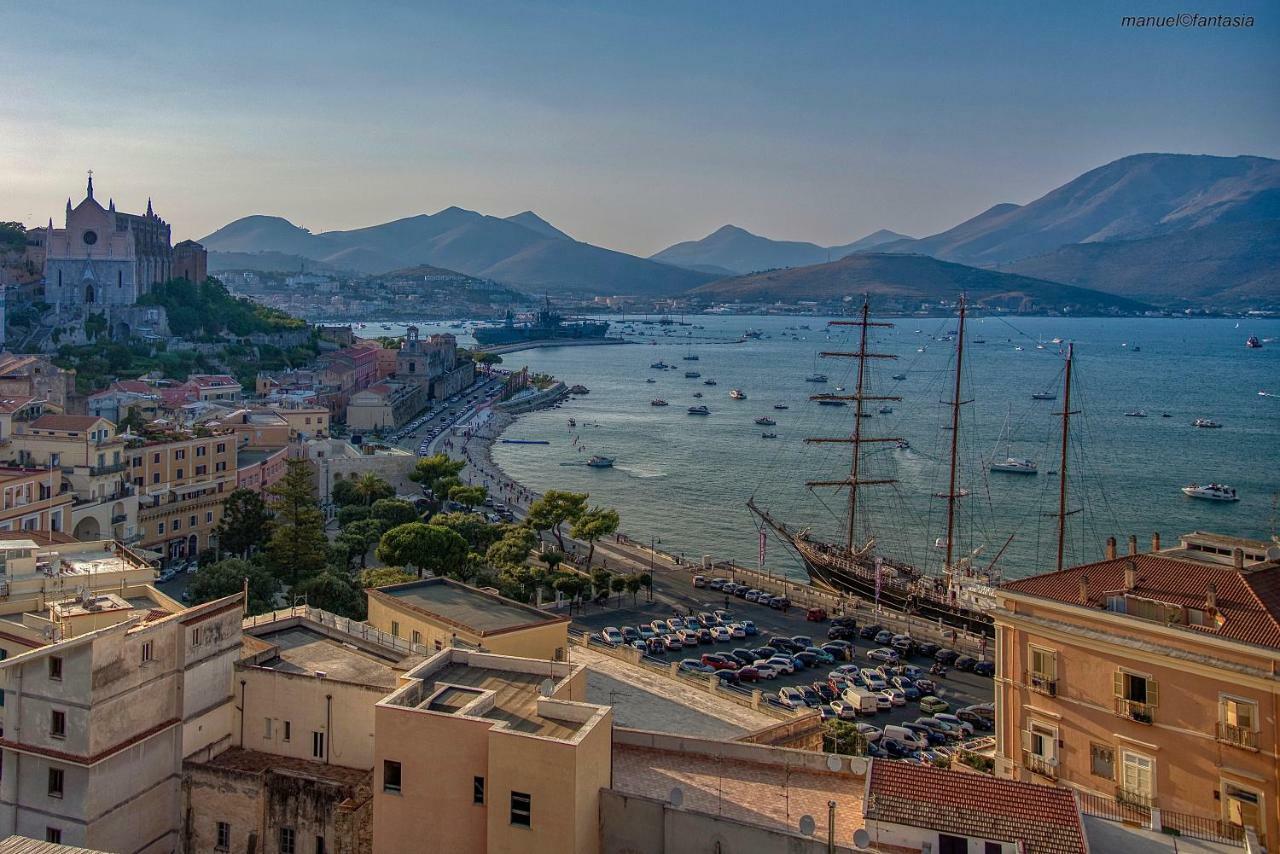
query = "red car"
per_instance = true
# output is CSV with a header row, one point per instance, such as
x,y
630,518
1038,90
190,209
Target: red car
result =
x,y
748,674
816,615
718,661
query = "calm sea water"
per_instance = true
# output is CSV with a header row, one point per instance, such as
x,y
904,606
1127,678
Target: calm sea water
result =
x,y
685,479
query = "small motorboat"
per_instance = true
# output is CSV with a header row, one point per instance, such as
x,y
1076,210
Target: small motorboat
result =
x,y
781,406
1014,465
599,462
659,365
831,401
651,380
1206,423
903,445
765,421
1017,349
899,377
697,394
1137,413
573,422
886,410
768,435
691,375
657,401
1211,492
699,410
1165,415
1253,343
1044,395
1055,341
708,382
737,394
691,358
816,378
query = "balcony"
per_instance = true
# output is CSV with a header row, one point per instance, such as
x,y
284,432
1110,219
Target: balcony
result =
x,y
1041,684
1134,799
1045,766
1238,736
1143,713
113,468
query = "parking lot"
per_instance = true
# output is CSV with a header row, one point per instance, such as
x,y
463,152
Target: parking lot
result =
x,y
427,426
958,688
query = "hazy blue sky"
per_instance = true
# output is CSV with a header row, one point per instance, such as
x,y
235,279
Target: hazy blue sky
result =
x,y
631,125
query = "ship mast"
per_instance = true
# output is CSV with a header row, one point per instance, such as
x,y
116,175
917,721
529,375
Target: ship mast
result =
x,y
956,403
856,439
1062,466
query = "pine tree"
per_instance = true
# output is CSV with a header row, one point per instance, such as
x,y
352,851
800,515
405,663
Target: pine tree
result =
x,y
298,545
245,523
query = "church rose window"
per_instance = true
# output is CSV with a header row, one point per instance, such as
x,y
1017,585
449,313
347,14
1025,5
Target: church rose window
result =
x,y
90,238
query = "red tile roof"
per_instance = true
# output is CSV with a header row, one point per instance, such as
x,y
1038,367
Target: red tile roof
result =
x,y
10,405
1045,819
1248,601
65,422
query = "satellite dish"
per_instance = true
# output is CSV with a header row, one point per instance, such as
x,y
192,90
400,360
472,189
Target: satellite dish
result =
x,y
861,839
858,765
1273,553
676,797
833,762
807,825
547,687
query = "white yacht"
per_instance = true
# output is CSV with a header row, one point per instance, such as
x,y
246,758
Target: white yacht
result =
x,y
1014,465
599,462
1207,423
737,394
699,410
1211,492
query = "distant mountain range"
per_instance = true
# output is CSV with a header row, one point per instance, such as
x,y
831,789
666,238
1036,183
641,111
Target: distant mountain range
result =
x,y
1171,229
732,251
524,250
911,280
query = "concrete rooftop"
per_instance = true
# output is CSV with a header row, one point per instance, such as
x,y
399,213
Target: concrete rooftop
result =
x,y
515,700
305,651
464,606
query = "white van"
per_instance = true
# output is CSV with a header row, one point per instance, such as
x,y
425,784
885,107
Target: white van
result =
x,y
862,700
905,737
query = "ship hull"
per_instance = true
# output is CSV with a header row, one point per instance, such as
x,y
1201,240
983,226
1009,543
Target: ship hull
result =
x,y
856,578
491,335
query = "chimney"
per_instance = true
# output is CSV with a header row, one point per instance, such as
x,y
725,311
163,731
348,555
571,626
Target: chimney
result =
x,y
1130,575
1111,548
1237,558
1084,590
1155,542
1133,544
1211,597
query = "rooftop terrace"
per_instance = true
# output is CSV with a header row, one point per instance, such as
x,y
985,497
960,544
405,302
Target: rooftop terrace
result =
x,y
305,651
463,606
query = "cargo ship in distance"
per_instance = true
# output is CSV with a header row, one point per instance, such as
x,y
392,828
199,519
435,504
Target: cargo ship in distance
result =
x,y
547,325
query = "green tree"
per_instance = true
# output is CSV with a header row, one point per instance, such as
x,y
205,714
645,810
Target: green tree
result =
x,y
344,493
245,523
478,533
555,508
633,586
570,585
468,496
843,737
133,422
597,523
551,558
370,488
353,513
333,592
646,581
517,582
600,582
429,548
392,512
226,577
381,576
618,584
361,536
513,549
297,547
431,471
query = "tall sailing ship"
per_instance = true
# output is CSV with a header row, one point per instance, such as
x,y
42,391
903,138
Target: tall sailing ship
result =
x,y
963,596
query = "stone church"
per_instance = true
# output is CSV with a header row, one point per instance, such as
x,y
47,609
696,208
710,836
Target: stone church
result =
x,y
103,258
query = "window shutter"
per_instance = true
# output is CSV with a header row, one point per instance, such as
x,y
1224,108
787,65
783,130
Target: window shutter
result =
x,y
1153,693
1118,683
1026,740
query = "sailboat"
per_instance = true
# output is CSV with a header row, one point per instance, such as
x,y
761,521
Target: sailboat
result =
x,y
963,598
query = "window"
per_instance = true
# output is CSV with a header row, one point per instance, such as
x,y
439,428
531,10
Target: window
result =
x,y
287,841
222,447
320,845
521,809
1044,671
180,454
55,668
1242,806
177,524
288,730
1102,761
439,644
208,517
180,474
1137,784
477,791
317,745
195,637
417,636
202,450
193,521
1136,696
1040,749
266,729
52,834
224,837
155,477
58,724
390,776
1238,722
155,459
55,782
395,629
201,470
220,466
148,652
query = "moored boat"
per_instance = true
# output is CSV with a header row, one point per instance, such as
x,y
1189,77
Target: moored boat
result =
x,y
1206,423
765,421
1211,492
737,394
816,378
1014,465
1253,343
599,462
699,410
781,406
657,401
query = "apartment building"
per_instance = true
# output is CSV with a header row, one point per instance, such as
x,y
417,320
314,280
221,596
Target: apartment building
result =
x,y
99,719
34,500
89,457
440,613
16,410
182,480
1148,683
516,764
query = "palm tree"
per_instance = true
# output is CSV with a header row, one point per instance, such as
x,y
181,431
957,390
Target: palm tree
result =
x,y
370,487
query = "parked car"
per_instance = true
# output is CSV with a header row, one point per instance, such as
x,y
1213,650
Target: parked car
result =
x,y
753,595
906,686
873,680
783,644
744,656
749,673
630,633
688,637
816,615
977,717
883,654
672,643
704,636
765,669
985,668
884,637
903,644
783,663
611,636
883,702
826,713
741,591
927,649
842,633
791,698
965,662
656,646
934,704
737,630
845,622
825,691
693,665
646,631
719,662
896,697
925,685
907,737
716,583
947,718
722,634
728,677
837,652
934,736
699,581
821,655
843,710
750,628
811,697
765,652
946,656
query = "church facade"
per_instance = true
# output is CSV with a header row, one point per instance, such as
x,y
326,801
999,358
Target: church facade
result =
x,y
103,258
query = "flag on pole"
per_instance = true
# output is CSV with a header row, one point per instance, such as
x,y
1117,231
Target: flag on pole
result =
x,y
760,557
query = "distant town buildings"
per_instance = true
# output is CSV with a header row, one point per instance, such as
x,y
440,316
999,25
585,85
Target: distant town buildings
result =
x,y
425,370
